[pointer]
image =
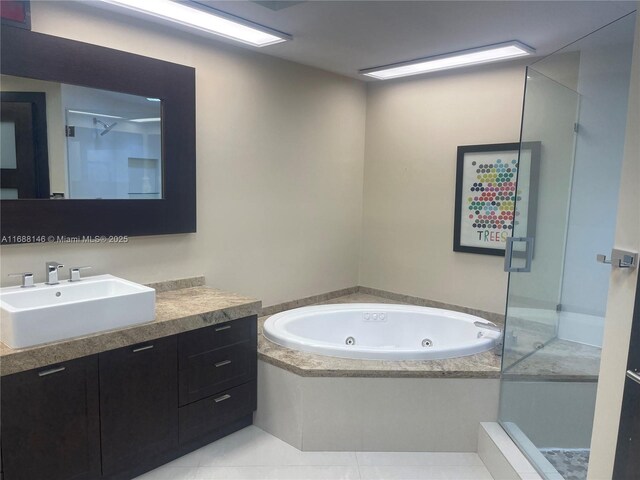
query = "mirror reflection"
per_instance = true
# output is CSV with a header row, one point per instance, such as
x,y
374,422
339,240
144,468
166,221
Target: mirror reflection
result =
x,y
64,141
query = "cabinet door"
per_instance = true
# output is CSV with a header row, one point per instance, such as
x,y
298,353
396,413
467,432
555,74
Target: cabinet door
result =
x,y
138,404
50,422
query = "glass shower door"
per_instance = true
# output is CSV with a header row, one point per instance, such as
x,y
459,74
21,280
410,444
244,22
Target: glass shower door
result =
x,y
570,160
535,259
535,253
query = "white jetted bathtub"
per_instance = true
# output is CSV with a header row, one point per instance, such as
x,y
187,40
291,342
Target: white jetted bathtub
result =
x,y
381,331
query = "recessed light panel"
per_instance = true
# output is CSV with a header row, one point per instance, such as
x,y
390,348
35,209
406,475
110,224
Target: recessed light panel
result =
x,y
204,19
93,114
145,120
490,53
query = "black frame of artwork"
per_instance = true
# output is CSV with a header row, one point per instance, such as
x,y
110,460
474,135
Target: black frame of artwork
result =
x,y
535,148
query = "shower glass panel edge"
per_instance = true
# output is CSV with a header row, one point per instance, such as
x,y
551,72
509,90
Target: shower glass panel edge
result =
x,y
575,106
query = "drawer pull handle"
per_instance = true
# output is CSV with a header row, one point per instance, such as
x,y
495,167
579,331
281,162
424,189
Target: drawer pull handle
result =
x,y
141,349
51,371
633,376
223,363
222,398
226,327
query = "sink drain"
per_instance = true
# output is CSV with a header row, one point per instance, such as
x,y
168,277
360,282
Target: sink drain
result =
x,y
350,341
427,342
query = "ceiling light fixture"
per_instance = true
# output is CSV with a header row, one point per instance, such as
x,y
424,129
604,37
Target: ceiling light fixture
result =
x,y
204,19
80,112
474,56
145,120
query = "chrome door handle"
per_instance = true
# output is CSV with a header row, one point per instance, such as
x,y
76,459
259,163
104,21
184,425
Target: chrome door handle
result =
x,y
222,363
226,327
222,398
620,259
508,254
633,376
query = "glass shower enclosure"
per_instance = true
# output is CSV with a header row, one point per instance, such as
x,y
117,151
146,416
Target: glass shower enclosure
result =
x,y
571,150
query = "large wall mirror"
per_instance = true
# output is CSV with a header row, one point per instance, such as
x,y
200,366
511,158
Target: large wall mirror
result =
x,y
94,141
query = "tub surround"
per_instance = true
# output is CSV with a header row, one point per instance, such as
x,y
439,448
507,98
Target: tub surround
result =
x,y
496,318
482,365
312,300
321,403
381,414
342,296
177,310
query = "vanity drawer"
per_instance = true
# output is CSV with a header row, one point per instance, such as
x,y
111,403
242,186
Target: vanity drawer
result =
x,y
217,370
203,417
216,336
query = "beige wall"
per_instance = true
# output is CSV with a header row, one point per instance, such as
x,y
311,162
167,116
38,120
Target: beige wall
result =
x,y
622,289
413,130
280,151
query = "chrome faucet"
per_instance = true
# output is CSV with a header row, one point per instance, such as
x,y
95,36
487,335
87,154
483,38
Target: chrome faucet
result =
x,y
27,279
74,273
488,325
52,272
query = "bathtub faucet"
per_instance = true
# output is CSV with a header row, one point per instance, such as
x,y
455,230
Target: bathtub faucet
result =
x,y
494,328
488,326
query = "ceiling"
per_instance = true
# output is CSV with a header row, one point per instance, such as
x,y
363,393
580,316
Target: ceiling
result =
x,y
346,36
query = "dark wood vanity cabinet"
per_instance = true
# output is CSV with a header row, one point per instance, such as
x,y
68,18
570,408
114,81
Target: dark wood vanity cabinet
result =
x,y
50,422
217,377
138,404
123,412
216,358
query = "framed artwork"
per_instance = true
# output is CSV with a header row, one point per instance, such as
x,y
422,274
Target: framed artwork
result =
x,y
491,182
16,13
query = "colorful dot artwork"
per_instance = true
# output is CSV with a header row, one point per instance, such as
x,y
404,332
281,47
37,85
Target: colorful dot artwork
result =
x,y
492,196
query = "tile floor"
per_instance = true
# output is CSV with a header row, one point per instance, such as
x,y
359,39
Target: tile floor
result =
x,y
254,454
572,464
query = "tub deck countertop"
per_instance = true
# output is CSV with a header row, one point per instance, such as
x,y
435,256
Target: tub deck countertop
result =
x,y
481,365
177,310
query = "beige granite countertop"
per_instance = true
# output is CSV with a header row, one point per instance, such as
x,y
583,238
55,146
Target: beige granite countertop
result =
x,y
559,360
176,311
482,365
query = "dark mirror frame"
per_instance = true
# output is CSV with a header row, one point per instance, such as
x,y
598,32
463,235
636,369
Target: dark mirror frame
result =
x,y
45,57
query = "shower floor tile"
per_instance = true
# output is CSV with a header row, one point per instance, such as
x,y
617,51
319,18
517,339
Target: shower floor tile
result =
x,y
571,464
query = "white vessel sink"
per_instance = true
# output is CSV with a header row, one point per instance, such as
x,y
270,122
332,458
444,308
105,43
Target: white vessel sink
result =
x,y
48,313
